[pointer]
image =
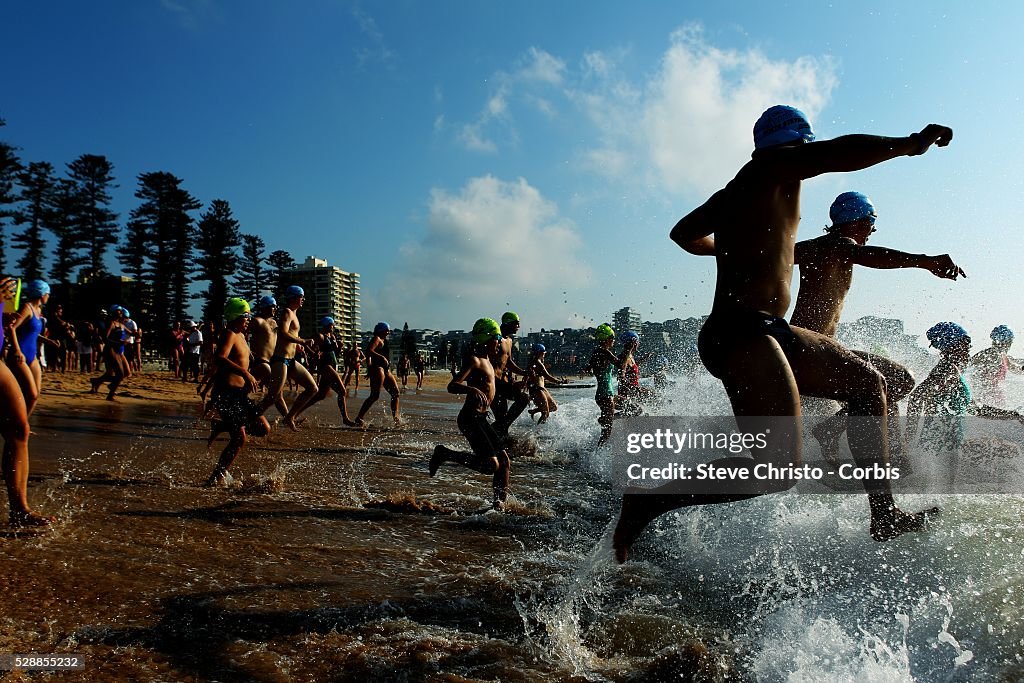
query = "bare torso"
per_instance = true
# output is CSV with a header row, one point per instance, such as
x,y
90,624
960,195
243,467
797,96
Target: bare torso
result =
x,y
825,278
235,348
756,220
481,377
501,355
285,347
264,337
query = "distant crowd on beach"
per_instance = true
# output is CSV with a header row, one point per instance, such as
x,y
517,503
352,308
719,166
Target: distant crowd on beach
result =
x,y
766,362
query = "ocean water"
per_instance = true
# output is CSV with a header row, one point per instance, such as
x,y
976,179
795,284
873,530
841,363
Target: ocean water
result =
x,y
790,587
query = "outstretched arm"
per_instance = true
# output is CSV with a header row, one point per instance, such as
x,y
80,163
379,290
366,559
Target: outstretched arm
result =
x,y
851,152
883,257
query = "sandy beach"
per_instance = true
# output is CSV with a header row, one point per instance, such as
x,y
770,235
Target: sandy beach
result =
x,y
334,556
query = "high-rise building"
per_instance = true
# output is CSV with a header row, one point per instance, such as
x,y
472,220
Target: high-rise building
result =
x,y
330,291
626,319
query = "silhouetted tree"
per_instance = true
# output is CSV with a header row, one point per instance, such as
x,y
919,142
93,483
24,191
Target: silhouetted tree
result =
x,y
35,213
93,179
279,262
217,259
9,167
163,223
64,222
252,276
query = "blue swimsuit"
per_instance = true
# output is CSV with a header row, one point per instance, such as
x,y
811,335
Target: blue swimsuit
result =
x,y
28,337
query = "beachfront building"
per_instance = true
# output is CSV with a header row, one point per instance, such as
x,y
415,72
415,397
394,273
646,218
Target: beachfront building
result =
x,y
330,291
627,319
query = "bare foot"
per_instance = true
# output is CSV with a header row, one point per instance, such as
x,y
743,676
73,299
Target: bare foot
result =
x,y
638,510
219,479
437,459
110,397
349,423
898,522
95,385
291,424
27,519
829,442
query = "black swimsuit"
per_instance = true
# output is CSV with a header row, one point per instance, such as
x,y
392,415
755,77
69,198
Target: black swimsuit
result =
x,y
722,331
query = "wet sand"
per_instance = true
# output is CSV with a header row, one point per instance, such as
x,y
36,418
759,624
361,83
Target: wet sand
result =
x,y
289,575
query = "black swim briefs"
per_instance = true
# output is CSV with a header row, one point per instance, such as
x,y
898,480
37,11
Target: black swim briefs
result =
x,y
722,331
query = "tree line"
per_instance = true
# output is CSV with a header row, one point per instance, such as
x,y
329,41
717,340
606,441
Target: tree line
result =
x,y
66,221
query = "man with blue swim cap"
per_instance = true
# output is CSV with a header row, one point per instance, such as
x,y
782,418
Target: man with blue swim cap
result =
x,y
262,342
826,273
765,364
378,371
780,125
992,365
283,362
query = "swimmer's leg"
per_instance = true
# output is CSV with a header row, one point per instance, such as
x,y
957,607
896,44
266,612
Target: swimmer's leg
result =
x,y
227,457
826,369
760,383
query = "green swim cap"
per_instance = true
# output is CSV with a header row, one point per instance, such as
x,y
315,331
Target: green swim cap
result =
x,y
509,317
235,308
486,329
604,332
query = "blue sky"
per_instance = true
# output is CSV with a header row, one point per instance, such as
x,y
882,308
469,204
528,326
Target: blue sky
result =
x,y
469,157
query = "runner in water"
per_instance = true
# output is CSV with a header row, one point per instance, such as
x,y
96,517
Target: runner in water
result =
x,y
353,360
536,374
477,380
283,363
506,369
239,414
404,365
763,362
826,273
262,341
420,366
380,374
327,370
992,365
15,431
603,363
113,354
944,398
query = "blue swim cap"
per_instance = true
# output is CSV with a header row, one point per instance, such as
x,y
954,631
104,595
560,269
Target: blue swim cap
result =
x,y
294,292
381,327
126,313
35,289
539,348
113,310
326,320
628,336
267,302
1002,335
849,207
781,124
944,336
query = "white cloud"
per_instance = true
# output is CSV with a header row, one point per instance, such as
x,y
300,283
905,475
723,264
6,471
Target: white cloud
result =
x,y
686,127
535,69
490,240
542,67
699,109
